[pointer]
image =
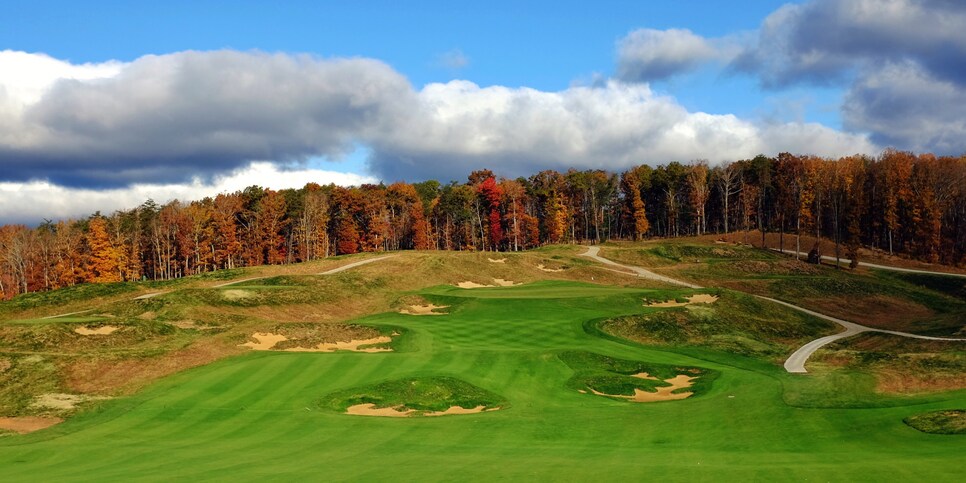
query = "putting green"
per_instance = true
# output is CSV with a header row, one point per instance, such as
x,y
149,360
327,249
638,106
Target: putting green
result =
x,y
262,415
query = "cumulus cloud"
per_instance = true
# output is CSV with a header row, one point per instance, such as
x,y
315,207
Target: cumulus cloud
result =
x,y
32,202
903,62
189,117
904,106
460,126
646,55
173,117
824,40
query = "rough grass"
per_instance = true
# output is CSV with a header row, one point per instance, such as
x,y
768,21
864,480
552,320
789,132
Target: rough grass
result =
x,y
437,393
736,323
950,421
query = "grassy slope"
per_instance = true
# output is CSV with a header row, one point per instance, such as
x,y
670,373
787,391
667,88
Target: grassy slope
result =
x,y
256,416
926,304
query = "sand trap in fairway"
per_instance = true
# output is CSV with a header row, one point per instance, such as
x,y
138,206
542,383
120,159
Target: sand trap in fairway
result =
x,y
424,310
504,283
662,394
103,330
266,341
545,269
500,260
701,298
401,412
472,285
27,424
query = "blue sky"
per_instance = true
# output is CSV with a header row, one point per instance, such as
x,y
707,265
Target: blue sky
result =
x,y
119,100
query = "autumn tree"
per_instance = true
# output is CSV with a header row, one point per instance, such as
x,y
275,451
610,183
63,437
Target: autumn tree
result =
x,y
103,258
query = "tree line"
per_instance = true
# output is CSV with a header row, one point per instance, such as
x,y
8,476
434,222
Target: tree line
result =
x,y
898,202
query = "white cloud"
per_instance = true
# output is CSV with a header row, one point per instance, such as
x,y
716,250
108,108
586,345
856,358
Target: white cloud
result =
x,y
176,122
460,126
34,201
647,55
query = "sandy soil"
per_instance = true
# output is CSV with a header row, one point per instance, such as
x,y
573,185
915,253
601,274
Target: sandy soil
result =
x,y
401,412
469,284
545,269
501,260
429,309
504,283
27,424
149,295
103,330
266,341
63,401
701,298
662,394
644,375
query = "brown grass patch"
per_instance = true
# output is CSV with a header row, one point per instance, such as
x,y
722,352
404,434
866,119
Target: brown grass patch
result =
x,y
126,375
5,364
878,311
27,424
903,382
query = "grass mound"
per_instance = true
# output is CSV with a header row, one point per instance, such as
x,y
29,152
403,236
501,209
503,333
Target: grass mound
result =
x,y
420,394
950,421
736,323
621,377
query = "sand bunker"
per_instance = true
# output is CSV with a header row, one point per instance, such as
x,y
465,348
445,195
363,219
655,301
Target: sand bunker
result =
x,y
424,310
662,394
545,269
103,330
27,424
266,341
472,285
701,298
501,260
497,282
63,401
404,412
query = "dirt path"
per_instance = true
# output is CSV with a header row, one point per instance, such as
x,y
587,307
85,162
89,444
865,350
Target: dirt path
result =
x,y
220,285
795,362
356,264
594,252
873,265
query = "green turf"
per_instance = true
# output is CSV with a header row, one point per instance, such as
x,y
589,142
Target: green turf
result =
x,y
258,416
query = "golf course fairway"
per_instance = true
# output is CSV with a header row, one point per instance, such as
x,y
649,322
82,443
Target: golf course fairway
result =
x,y
261,416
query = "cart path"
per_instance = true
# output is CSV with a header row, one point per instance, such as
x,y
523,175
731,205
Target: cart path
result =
x,y
356,264
874,265
795,362
594,252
